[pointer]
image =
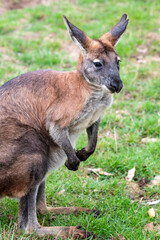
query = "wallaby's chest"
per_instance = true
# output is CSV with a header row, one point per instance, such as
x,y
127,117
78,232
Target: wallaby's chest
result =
x,y
57,156
92,111
87,119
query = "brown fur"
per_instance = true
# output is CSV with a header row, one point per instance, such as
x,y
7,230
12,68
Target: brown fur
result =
x,y
108,39
44,94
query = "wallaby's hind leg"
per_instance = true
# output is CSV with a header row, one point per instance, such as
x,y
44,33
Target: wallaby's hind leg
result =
x,y
23,214
41,199
65,232
32,213
69,210
43,209
27,217
58,231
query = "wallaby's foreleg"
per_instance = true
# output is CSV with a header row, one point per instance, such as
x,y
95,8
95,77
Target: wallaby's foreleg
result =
x,y
92,133
61,138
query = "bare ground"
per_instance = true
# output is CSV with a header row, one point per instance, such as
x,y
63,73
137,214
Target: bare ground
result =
x,y
19,4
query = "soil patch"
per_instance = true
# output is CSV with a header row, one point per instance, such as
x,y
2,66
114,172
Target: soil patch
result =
x,y
71,49
143,54
134,191
19,4
143,182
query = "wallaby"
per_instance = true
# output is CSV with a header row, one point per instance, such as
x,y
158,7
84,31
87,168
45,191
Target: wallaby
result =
x,y
41,115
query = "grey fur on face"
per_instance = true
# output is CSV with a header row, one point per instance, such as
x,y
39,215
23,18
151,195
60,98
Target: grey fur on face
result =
x,y
103,71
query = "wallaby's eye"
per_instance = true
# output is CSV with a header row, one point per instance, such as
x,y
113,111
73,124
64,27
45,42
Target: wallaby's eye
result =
x,y
118,60
97,63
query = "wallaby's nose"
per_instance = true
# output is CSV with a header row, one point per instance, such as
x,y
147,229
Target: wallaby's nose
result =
x,y
116,86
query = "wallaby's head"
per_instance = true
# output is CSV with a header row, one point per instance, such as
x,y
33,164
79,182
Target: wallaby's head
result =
x,y
99,62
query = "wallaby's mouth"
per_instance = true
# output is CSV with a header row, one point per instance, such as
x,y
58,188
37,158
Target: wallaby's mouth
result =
x,y
111,89
118,91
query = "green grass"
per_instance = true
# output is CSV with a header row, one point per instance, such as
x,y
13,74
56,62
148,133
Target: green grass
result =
x,y
34,38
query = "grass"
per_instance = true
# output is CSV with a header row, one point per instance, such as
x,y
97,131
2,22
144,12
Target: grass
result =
x,y
36,38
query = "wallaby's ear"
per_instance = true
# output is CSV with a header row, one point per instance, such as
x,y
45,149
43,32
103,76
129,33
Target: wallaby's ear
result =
x,y
116,32
78,36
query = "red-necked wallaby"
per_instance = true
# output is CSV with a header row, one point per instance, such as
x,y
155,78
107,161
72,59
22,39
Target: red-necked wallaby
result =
x,y
41,115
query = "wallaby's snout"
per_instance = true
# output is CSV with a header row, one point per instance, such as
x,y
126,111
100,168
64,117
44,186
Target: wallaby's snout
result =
x,y
112,77
120,86
116,85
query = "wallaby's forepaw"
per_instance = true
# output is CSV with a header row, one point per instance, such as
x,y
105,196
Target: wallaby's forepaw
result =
x,y
83,154
72,165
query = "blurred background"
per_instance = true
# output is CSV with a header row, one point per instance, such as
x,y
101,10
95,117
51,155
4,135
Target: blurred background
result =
x,y
33,36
